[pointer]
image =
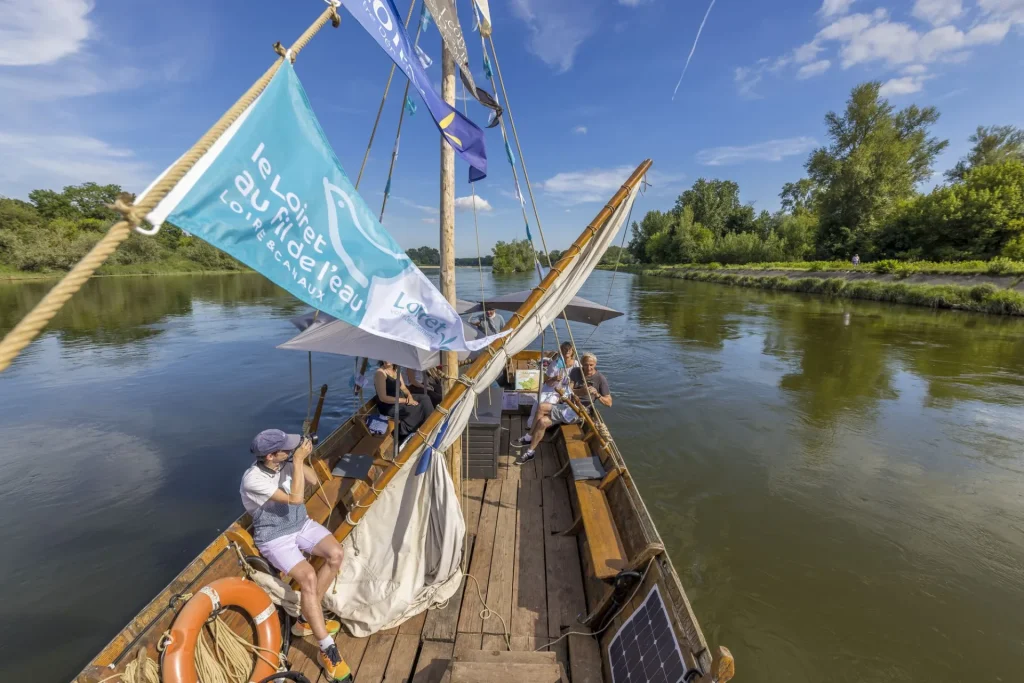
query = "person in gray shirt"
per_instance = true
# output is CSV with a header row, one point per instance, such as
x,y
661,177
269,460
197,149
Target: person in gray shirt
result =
x,y
273,492
489,323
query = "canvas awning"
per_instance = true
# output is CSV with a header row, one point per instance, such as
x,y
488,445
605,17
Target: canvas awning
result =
x,y
578,310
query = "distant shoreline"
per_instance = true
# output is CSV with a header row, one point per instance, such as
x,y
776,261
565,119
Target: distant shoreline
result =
x,y
977,292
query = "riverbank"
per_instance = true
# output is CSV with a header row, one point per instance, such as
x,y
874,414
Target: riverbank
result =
x,y
969,291
11,274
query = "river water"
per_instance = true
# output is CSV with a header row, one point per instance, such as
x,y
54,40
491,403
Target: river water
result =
x,y
840,484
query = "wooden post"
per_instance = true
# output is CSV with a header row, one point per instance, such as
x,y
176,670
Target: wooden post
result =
x,y
449,359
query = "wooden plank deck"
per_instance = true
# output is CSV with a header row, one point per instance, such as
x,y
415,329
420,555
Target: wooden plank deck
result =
x,y
532,579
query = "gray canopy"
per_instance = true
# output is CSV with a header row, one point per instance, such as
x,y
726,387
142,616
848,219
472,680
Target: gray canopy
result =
x,y
579,310
330,335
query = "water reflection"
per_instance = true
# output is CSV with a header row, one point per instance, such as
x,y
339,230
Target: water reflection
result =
x,y
837,482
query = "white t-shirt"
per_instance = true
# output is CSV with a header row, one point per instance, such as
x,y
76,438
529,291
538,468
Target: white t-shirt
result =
x,y
258,485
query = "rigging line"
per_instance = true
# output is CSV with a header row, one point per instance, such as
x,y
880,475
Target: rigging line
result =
x,y
398,133
380,109
476,227
133,214
618,258
529,188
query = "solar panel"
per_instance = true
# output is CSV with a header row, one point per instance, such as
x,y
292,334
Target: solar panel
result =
x,y
645,649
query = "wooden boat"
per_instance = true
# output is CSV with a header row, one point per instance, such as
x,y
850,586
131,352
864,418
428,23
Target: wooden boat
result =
x,y
560,564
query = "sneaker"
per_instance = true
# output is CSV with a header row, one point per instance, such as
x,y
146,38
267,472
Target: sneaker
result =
x,y
526,457
334,665
301,628
524,440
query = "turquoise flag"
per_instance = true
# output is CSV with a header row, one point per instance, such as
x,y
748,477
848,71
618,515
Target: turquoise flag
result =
x,y
272,193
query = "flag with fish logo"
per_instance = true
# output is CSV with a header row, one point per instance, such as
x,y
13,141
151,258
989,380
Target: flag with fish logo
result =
x,y
381,20
272,193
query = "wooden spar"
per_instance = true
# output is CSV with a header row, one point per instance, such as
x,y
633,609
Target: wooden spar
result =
x,y
455,393
449,359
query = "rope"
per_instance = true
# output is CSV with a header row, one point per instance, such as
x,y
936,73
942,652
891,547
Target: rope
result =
x,y
142,669
43,312
229,659
486,613
610,621
380,109
401,118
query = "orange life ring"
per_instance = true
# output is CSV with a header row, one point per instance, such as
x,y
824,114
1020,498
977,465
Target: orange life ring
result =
x,y
179,664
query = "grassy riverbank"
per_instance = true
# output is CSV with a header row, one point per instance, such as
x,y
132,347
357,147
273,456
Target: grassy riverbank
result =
x,y
135,269
866,283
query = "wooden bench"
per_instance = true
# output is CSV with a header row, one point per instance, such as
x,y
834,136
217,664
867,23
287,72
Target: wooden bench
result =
x,y
607,554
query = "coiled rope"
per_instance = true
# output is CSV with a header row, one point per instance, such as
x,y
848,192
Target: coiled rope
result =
x,y
134,214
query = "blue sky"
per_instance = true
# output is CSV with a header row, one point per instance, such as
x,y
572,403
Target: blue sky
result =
x,y
115,91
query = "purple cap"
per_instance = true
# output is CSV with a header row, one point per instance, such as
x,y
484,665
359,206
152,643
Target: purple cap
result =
x,y
273,440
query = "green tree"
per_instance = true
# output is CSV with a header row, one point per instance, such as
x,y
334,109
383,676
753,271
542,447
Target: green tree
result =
x,y
516,256
616,254
992,145
87,200
714,203
653,223
978,218
799,196
875,158
425,256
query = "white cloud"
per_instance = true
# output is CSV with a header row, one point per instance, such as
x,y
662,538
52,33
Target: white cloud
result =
x,y
834,8
466,203
904,85
807,52
846,28
915,69
813,69
772,150
429,221
56,160
633,3
557,29
1009,10
593,185
34,32
938,12
422,207
580,130
990,33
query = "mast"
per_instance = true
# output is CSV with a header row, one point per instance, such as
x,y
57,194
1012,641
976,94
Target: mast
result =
x,y
449,359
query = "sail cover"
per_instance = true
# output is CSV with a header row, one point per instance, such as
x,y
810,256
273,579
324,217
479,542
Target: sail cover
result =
x,y
272,193
404,555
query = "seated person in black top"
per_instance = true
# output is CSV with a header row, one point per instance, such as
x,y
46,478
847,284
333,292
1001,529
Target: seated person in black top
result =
x,y
392,393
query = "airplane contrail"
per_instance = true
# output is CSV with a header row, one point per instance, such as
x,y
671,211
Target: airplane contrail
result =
x,y
692,49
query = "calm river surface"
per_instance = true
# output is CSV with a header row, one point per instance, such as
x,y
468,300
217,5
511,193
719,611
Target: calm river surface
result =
x,y
840,484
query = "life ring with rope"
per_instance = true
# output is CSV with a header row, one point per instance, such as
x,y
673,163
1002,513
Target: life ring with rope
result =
x,y
179,654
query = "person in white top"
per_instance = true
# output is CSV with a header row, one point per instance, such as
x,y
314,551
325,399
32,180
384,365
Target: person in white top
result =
x,y
273,492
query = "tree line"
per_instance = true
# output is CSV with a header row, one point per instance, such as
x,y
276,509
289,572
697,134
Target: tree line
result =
x,y
54,230
859,197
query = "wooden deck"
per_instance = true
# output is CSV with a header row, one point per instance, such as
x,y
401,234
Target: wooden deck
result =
x,y
530,579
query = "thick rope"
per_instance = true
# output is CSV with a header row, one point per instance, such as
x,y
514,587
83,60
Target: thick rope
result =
x,y
142,669
229,658
32,324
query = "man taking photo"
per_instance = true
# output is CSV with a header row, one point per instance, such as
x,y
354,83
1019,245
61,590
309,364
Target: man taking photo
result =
x,y
273,493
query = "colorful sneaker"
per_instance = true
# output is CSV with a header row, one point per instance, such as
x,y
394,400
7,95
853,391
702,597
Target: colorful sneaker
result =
x,y
334,665
526,457
301,628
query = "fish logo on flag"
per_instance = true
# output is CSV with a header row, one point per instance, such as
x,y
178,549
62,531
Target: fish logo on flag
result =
x,y
381,20
272,193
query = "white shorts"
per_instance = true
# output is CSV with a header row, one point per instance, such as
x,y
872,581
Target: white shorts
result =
x,y
551,397
286,551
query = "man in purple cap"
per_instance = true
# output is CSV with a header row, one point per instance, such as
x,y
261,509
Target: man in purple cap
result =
x,y
273,492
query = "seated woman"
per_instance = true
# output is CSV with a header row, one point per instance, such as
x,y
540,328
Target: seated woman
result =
x,y
392,392
556,379
421,382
